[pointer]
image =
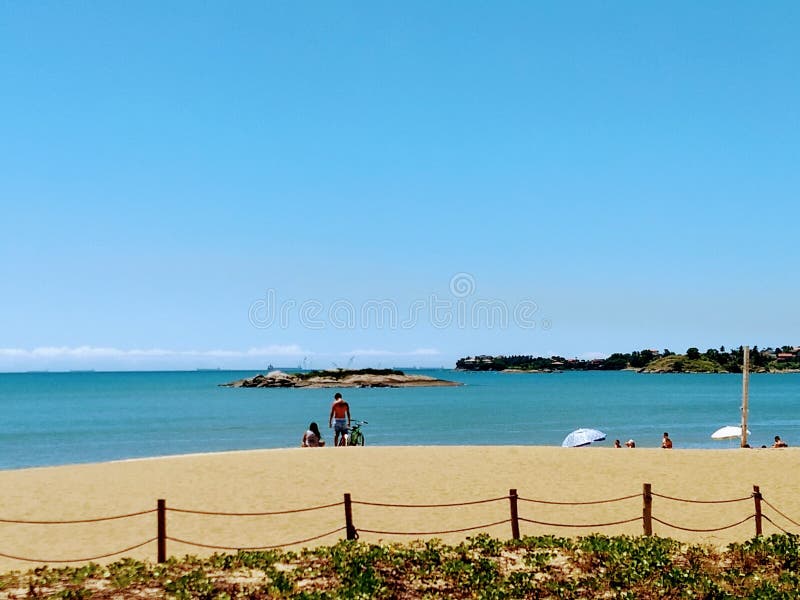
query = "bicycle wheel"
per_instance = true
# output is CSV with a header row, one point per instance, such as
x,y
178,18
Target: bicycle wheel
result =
x,y
357,439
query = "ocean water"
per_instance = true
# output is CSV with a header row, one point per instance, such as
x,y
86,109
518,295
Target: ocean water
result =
x,y
66,418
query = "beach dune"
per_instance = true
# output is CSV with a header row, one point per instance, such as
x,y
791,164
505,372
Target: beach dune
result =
x,y
281,480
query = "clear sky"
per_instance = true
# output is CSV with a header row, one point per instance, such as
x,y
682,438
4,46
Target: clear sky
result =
x,y
203,184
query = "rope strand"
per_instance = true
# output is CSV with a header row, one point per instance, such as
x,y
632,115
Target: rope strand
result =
x,y
76,560
452,504
776,525
253,514
486,526
582,525
792,521
97,520
703,530
700,501
213,547
579,503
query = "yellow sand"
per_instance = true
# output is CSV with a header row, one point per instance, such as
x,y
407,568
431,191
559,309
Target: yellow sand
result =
x,y
274,480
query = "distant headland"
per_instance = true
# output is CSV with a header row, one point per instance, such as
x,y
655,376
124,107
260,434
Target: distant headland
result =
x,y
341,378
784,359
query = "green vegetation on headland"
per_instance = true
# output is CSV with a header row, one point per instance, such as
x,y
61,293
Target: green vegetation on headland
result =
x,y
768,360
595,566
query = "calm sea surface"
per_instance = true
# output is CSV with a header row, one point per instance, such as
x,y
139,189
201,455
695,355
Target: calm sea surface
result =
x,y
64,418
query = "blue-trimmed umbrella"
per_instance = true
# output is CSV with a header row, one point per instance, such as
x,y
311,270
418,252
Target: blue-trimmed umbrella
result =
x,y
583,437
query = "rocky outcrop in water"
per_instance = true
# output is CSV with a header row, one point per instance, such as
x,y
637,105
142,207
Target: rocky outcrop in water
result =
x,y
366,378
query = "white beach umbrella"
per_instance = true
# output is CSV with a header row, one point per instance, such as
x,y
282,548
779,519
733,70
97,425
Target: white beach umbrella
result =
x,y
728,432
583,437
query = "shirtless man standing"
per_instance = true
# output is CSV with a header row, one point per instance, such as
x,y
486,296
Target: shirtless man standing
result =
x,y
340,411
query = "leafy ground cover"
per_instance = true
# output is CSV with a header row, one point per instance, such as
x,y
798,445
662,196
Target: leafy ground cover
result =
x,y
595,566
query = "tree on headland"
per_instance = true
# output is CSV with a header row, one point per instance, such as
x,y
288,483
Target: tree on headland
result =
x,y
615,362
757,358
693,353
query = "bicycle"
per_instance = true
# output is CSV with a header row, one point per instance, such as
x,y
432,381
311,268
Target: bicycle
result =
x,y
354,435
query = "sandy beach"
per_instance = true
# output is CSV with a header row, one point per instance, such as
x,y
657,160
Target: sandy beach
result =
x,y
278,480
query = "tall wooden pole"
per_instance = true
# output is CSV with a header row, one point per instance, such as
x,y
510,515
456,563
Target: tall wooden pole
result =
x,y
745,392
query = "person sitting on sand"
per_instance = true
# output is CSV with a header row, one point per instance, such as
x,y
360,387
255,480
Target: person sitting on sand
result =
x,y
630,444
779,443
617,444
666,442
313,438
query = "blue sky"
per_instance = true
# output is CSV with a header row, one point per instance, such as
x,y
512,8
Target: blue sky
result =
x,y
625,174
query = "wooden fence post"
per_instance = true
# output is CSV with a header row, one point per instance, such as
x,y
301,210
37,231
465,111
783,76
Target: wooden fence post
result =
x,y
512,499
348,518
757,501
647,509
162,530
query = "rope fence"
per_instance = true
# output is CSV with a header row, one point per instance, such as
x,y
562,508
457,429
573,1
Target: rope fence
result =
x,y
352,533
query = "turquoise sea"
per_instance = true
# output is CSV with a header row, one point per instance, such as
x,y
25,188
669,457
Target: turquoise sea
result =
x,y
64,418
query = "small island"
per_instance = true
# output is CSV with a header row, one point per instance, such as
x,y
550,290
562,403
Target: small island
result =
x,y
341,378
